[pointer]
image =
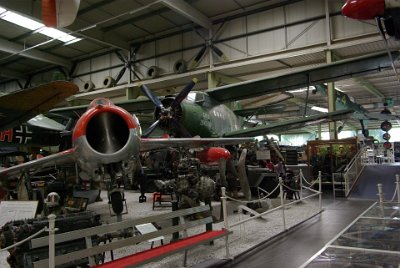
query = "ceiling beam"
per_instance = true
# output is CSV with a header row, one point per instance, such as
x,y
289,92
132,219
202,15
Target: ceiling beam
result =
x,y
12,74
369,87
362,81
32,53
189,12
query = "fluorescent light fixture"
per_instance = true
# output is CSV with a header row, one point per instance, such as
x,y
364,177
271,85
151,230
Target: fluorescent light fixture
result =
x,y
37,27
22,21
56,34
319,109
297,90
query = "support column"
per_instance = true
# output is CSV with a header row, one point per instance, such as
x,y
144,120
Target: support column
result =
x,y
331,99
132,93
212,80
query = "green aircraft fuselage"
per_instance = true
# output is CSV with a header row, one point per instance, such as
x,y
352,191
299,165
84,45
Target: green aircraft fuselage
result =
x,y
205,117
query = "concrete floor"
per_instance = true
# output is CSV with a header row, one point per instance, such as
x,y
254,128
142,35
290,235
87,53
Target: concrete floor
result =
x,y
290,249
295,247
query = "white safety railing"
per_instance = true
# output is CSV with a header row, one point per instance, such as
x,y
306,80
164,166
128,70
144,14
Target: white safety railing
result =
x,y
353,170
381,195
51,229
283,205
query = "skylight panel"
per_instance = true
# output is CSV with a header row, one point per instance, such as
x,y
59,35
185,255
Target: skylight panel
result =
x,y
38,27
57,34
21,21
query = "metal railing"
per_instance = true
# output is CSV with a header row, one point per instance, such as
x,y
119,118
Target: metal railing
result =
x,y
353,170
283,205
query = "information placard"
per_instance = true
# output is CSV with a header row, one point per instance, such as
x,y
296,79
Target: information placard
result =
x,y
17,210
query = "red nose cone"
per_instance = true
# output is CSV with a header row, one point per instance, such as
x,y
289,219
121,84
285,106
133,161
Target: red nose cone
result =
x,y
213,154
363,9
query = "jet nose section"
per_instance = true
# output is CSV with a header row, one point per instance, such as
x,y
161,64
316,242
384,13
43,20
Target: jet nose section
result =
x,y
363,9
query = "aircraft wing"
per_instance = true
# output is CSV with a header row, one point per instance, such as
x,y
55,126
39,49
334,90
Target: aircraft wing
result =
x,y
132,106
291,124
339,70
266,109
64,157
22,105
160,143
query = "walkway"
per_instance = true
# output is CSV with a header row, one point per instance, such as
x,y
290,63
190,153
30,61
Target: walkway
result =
x,y
295,247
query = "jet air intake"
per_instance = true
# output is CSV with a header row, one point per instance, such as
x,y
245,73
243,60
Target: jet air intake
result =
x,y
107,133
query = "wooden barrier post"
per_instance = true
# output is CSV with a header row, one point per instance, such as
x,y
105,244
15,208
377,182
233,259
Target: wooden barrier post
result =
x,y
226,223
381,198
320,190
282,203
175,221
398,187
301,183
52,246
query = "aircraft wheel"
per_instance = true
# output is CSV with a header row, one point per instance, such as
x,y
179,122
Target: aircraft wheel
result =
x,y
108,82
88,86
180,66
269,184
389,25
142,199
152,72
117,202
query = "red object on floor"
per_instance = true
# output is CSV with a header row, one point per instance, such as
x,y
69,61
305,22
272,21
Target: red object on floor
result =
x,y
149,254
156,196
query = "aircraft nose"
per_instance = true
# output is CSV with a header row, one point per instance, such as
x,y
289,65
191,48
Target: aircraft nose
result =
x,y
363,9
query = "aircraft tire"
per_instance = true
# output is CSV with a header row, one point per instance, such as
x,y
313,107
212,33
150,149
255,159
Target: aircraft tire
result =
x,y
269,184
180,66
152,72
108,82
88,86
117,202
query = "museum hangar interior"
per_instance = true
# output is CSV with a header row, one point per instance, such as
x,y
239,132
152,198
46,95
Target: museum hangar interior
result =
x,y
249,107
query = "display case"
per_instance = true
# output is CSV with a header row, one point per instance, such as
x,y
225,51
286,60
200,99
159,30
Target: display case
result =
x,y
330,156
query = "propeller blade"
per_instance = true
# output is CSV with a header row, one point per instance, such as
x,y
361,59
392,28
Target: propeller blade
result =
x,y
120,74
181,130
382,33
120,56
183,94
219,53
135,50
150,129
150,94
199,56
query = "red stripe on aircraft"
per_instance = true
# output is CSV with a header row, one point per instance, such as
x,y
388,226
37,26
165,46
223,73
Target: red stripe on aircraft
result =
x,y
6,133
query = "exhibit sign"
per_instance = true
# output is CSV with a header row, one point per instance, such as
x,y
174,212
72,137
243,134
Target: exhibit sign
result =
x,y
17,210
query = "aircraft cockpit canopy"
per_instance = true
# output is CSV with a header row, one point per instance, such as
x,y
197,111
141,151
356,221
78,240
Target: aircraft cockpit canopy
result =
x,y
99,101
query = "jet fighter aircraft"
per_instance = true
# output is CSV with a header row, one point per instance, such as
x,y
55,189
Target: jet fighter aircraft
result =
x,y
105,139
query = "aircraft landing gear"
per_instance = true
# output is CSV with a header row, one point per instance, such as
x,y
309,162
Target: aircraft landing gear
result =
x,y
117,202
142,198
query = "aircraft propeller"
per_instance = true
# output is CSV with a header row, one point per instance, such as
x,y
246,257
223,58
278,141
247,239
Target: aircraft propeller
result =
x,y
128,63
168,111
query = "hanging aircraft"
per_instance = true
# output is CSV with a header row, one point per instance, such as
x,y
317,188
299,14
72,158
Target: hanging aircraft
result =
x,y
344,101
21,119
382,10
105,139
205,114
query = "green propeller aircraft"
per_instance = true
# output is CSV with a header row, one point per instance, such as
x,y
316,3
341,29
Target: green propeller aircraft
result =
x,y
204,113
345,102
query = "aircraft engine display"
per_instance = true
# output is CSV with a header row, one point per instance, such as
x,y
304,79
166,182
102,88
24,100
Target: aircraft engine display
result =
x,y
192,187
23,256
